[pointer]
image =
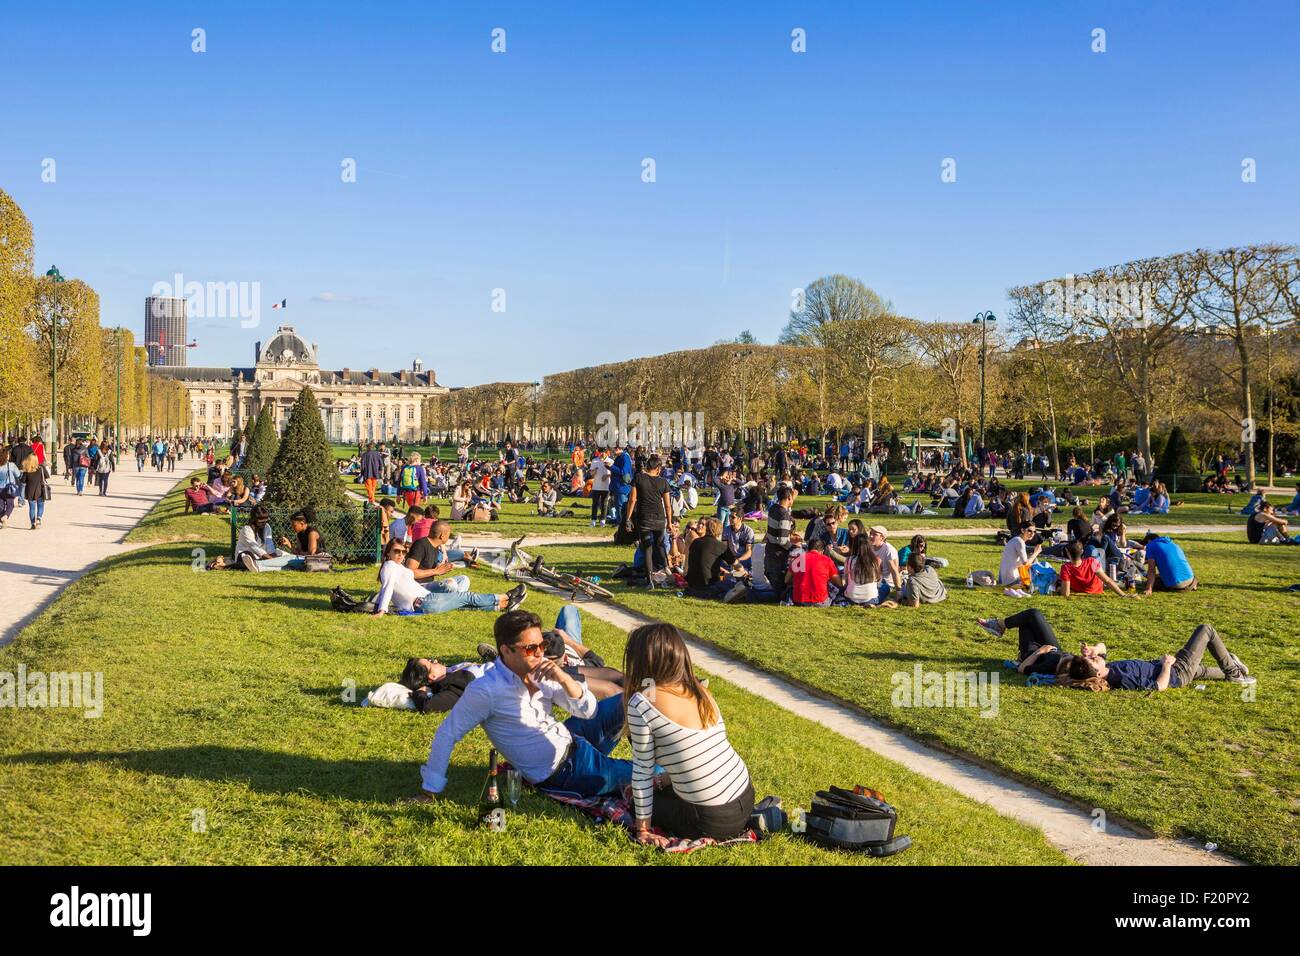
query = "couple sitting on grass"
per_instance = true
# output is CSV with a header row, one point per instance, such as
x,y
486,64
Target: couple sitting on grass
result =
x,y
1040,653
1167,566
686,779
257,550
405,566
1266,526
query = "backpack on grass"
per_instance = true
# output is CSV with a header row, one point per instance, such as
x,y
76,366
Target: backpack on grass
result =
x,y
857,819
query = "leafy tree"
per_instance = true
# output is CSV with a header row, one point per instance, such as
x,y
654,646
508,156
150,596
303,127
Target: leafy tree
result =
x,y
304,474
894,464
263,445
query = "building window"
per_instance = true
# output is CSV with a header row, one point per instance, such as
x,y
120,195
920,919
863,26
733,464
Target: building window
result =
x,y
354,413
203,411
203,430
410,413
367,413
216,409
247,408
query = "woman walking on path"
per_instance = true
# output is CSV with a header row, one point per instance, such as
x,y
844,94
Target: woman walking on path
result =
x,y
35,489
103,468
11,485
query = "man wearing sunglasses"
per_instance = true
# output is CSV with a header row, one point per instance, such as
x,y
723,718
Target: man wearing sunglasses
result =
x,y
512,702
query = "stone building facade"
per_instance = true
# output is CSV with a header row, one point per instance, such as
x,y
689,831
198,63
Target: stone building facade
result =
x,y
355,405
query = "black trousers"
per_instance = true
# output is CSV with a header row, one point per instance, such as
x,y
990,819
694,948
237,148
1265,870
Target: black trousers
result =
x,y
692,821
652,544
599,504
1033,629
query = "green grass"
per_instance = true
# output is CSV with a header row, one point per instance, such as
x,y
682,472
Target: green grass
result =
x,y
223,694
1204,763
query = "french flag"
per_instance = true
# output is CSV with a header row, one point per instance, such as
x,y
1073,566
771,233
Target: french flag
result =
x,y
282,304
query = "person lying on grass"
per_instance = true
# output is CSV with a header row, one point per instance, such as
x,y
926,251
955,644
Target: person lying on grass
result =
x,y
1091,671
1167,566
1083,575
1040,652
513,703
679,740
399,589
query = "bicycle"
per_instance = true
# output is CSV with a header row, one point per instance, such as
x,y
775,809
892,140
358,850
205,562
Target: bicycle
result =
x,y
573,583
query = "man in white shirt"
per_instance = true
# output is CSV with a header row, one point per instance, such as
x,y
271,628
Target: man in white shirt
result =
x,y
1016,555
513,701
599,487
890,577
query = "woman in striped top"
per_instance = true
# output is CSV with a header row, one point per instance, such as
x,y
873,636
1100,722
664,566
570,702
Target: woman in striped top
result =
x,y
674,723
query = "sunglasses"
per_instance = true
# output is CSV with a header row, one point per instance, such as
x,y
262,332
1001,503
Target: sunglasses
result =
x,y
531,650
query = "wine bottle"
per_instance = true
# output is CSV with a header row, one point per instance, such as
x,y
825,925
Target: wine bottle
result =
x,y
490,811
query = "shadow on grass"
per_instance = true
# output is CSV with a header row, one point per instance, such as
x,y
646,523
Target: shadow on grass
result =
x,y
263,770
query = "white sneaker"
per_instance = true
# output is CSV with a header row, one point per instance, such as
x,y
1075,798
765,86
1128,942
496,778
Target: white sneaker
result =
x,y
248,561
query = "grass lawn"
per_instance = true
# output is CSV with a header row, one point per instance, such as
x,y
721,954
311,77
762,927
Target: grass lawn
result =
x,y
223,694
1204,763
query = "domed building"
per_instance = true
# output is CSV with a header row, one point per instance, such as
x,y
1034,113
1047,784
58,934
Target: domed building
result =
x,y
355,405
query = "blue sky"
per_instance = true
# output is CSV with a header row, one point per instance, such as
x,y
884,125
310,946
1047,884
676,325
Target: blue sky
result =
x,y
522,171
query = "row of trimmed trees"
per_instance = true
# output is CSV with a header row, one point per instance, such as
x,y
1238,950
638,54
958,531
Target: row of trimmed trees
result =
x,y
1099,358
99,369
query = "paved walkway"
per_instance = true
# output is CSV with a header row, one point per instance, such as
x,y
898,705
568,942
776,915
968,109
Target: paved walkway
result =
x,y
77,533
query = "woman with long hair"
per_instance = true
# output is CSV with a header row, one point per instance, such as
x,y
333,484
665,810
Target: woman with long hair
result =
x,y
11,478
862,572
35,488
673,723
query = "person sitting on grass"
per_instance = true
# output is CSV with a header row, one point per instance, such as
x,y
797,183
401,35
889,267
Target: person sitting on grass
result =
x,y
1294,507
418,522
1167,566
309,539
240,496
922,585
739,537
1155,503
710,574
861,574
809,574
1040,652
430,558
398,588
1091,671
679,746
1017,558
546,499
197,497
1084,575
255,548
513,703
1266,527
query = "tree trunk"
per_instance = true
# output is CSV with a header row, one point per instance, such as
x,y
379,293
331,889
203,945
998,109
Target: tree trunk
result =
x,y
1144,414
1248,418
870,435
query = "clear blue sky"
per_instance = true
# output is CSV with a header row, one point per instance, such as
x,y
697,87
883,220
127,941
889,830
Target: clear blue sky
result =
x,y
522,171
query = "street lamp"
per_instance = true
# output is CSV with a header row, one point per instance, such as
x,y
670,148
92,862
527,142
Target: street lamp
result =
x,y
56,278
117,428
740,356
984,320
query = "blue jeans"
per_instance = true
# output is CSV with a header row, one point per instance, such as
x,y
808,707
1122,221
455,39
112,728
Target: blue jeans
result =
x,y
35,508
439,601
454,585
589,771
81,479
570,622
282,561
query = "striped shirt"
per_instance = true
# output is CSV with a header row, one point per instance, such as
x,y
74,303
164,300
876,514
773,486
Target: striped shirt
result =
x,y
702,765
779,525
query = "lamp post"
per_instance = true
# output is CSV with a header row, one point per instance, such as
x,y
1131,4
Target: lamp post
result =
x,y
984,320
117,428
740,356
56,278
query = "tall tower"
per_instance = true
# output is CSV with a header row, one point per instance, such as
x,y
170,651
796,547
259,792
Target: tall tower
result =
x,y
164,329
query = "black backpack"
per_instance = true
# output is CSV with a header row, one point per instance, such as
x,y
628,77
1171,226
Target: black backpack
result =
x,y
857,819
341,600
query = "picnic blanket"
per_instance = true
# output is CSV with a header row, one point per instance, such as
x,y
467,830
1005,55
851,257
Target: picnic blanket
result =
x,y
618,810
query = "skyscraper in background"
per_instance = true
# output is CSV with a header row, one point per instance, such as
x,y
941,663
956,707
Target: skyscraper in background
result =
x,y
164,329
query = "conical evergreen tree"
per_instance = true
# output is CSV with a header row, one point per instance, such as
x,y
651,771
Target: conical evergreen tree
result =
x,y
894,464
262,445
304,474
1177,456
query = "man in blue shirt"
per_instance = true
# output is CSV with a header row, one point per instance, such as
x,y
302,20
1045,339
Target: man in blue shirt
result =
x,y
1167,567
1168,672
620,482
